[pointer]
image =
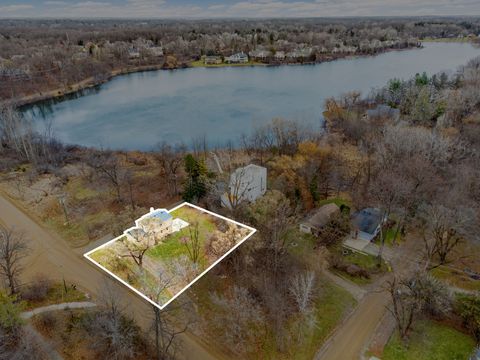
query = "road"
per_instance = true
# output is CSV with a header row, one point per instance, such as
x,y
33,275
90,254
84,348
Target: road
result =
x,y
49,254
349,340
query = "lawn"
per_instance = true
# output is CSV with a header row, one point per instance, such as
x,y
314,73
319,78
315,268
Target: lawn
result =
x,y
368,263
201,63
430,341
456,278
172,247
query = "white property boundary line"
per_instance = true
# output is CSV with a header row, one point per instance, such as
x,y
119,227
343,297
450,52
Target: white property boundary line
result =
x,y
161,307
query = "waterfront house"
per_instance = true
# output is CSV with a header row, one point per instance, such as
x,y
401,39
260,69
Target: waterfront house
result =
x,y
279,56
261,55
213,60
246,184
318,218
239,58
151,228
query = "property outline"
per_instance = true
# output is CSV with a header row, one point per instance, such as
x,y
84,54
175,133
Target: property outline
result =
x,y
161,307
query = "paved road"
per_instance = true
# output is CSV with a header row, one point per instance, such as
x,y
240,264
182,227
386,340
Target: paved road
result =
x,y
49,254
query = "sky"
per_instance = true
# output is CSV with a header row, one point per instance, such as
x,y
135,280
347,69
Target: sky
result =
x,y
233,8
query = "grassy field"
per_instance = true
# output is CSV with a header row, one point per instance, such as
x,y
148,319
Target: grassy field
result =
x,y
456,278
430,341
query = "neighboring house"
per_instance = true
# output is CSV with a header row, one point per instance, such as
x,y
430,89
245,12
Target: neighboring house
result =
x,y
239,58
151,227
320,217
366,223
260,54
382,111
279,56
156,51
212,60
246,184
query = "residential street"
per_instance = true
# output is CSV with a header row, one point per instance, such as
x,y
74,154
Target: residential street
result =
x,y
50,255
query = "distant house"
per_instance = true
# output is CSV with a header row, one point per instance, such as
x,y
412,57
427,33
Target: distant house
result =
x,y
239,58
212,60
133,53
279,56
156,51
383,111
246,184
260,54
366,223
320,217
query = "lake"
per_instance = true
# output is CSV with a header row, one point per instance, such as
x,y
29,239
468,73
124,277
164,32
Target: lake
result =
x,y
137,111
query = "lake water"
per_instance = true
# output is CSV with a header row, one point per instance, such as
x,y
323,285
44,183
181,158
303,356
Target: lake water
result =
x,y
138,111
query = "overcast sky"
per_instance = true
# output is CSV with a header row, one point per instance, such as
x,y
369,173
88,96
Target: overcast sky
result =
x,y
233,8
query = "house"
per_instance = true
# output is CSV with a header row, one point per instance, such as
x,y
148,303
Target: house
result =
x,y
383,111
320,217
151,227
260,54
246,184
213,60
156,51
280,55
239,58
366,223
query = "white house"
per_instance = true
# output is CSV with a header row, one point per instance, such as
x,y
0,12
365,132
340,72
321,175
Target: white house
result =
x,y
151,227
239,58
246,184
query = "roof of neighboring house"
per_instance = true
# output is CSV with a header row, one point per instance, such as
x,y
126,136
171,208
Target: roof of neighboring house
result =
x,y
321,216
251,168
367,220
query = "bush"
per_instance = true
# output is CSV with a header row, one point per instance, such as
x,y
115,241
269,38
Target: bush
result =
x,y
38,290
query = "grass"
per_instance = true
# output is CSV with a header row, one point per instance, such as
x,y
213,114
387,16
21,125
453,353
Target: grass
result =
x,y
364,261
172,247
58,294
331,306
456,278
201,63
430,341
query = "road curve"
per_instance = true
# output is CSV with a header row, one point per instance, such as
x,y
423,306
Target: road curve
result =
x,y
49,254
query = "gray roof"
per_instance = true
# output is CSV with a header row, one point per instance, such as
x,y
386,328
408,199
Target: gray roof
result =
x,y
321,216
367,220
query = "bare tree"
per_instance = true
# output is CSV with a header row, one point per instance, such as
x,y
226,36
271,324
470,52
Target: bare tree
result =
x,y
115,334
444,228
137,248
13,249
416,295
108,165
171,160
301,288
192,242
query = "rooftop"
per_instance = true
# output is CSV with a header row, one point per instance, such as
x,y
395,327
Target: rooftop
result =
x,y
321,216
367,220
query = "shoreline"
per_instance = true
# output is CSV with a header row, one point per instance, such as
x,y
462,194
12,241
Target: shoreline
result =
x,y
90,82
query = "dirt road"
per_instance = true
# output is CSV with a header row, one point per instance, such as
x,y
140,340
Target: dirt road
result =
x,y
49,254
349,340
